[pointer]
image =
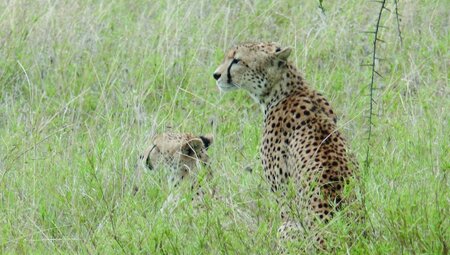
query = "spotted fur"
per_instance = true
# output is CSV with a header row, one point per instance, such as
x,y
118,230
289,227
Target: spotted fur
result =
x,y
304,155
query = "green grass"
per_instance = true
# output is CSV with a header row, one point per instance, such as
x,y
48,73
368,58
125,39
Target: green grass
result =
x,y
84,84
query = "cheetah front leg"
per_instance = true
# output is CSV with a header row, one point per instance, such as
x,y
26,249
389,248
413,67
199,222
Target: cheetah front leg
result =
x,y
295,226
300,231
302,210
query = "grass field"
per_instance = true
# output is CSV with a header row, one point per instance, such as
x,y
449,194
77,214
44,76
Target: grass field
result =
x,y
84,84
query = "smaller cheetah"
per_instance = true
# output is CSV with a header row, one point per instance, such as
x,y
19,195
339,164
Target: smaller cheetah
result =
x,y
181,154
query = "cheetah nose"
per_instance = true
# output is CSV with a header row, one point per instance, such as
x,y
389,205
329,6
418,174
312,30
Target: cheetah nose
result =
x,y
216,76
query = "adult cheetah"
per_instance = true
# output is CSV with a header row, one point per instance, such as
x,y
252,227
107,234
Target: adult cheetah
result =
x,y
303,154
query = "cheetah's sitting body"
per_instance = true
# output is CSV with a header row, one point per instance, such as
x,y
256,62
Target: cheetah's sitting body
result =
x,y
181,155
301,146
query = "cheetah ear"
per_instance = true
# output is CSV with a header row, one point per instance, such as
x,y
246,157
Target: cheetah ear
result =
x,y
192,147
283,54
146,157
207,140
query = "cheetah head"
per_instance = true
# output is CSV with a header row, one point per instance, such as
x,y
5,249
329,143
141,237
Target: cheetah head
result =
x,y
183,152
254,67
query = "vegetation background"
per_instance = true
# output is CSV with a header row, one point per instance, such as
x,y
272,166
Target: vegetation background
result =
x,y
85,84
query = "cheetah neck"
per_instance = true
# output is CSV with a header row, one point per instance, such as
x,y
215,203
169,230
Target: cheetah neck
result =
x,y
289,83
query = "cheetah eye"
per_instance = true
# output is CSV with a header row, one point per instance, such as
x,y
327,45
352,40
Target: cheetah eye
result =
x,y
236,60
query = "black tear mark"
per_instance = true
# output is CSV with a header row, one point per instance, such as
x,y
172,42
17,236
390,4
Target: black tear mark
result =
x,y
235,61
